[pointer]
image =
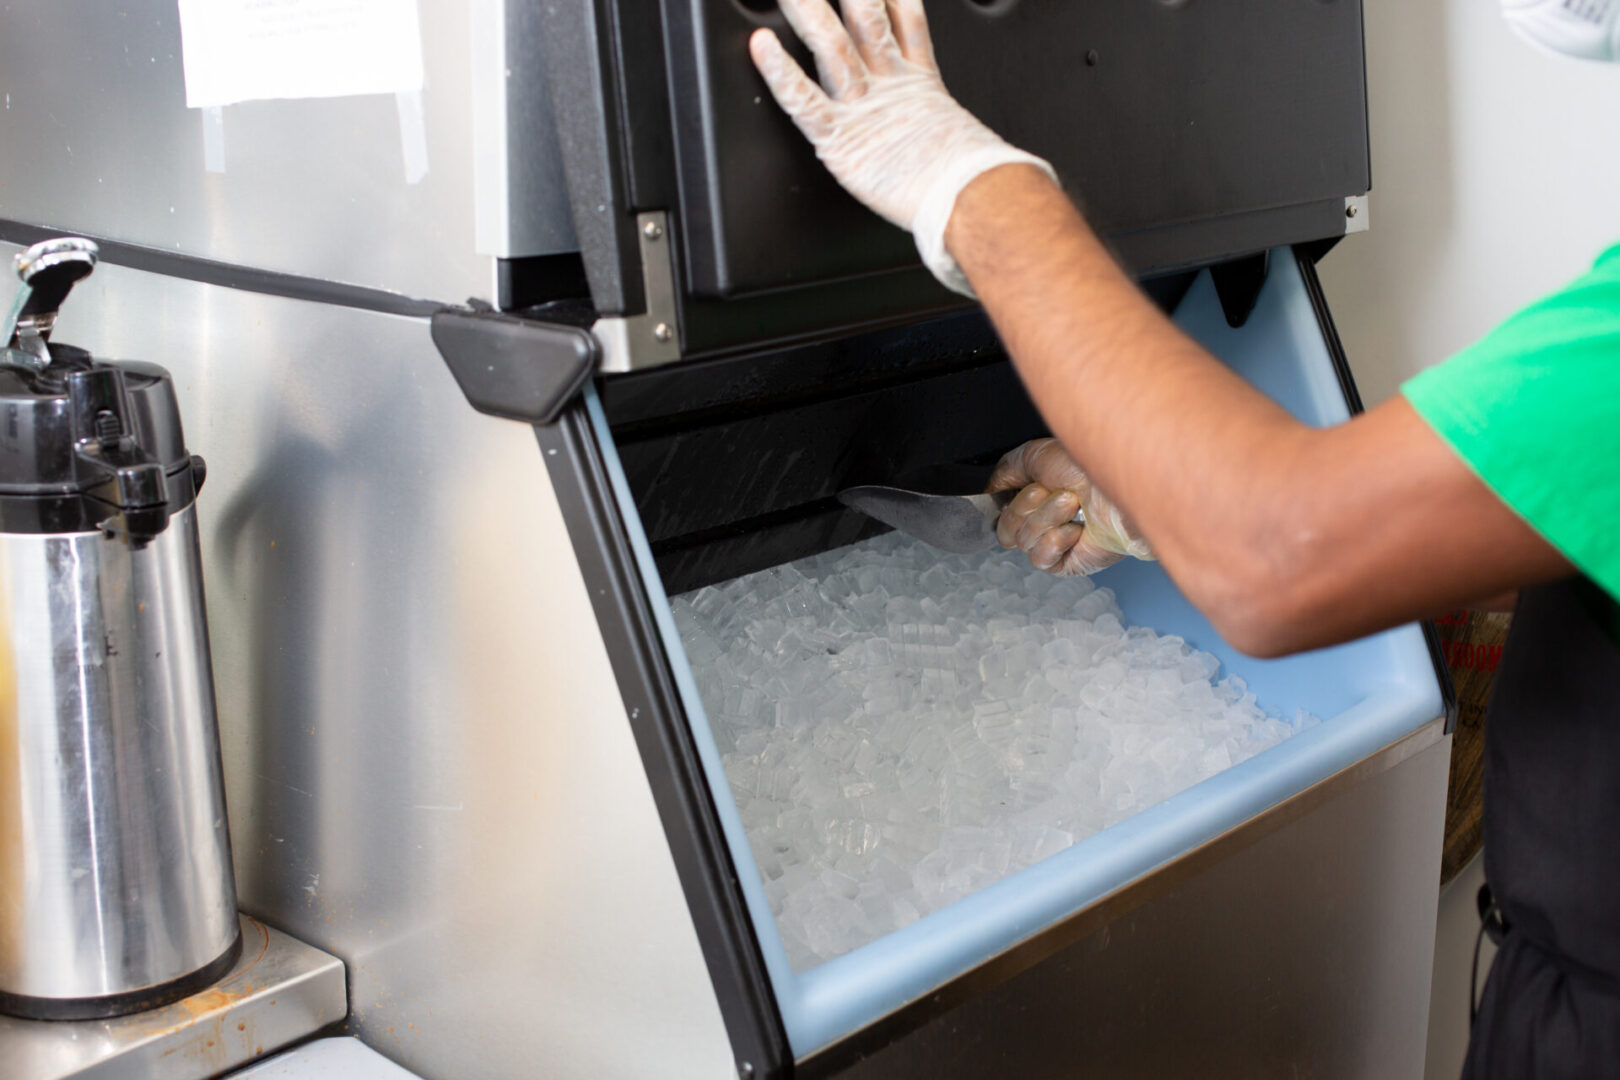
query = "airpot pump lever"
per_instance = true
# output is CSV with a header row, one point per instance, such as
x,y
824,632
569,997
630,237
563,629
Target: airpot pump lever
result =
x,y
48,270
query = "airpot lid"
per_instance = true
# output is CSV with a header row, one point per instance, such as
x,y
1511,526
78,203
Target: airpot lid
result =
x,y
84,444
60,428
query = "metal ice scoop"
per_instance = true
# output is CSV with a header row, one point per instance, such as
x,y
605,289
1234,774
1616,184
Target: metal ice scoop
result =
x,y
959,524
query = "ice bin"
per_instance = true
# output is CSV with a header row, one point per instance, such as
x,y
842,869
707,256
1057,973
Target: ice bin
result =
x,y
1379,698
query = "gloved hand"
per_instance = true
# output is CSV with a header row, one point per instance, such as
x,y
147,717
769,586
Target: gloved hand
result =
x,y
1040,519
881,119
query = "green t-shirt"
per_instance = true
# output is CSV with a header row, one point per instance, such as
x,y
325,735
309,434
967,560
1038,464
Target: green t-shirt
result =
x,y
1534,409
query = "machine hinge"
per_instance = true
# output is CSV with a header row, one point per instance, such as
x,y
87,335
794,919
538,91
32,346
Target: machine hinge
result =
x,y
633,342
1357,214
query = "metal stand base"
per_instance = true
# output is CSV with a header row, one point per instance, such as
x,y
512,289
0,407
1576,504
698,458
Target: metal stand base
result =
x,y
278,990
131,1001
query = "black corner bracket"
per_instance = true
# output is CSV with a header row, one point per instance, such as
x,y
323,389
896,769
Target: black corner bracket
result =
x,y
1238,283
517,369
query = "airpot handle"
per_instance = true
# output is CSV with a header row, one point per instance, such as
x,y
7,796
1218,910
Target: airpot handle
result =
x,y
48,270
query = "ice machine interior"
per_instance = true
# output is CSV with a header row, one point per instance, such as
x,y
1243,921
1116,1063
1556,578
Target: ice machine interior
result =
x,y
1369,694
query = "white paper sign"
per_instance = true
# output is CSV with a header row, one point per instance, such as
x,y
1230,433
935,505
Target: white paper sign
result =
x,y
251,50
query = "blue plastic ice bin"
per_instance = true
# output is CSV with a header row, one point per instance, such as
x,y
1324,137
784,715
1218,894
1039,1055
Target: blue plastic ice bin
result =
x,y
1369,694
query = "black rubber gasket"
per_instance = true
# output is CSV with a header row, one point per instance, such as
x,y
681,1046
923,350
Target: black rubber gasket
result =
x,y
230,275
131,1001
1305,256
741,985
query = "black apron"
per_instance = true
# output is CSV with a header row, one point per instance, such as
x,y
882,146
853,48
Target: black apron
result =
x,y
1551,1008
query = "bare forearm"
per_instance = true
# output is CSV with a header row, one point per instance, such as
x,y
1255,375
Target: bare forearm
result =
x,y
1174,437
1287,536
1071,318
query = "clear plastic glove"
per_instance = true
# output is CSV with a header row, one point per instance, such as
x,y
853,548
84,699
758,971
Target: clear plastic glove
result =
x,y
882,120
1040,519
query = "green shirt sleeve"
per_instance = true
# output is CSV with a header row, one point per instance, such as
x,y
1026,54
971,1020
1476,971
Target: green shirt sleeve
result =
x,y
1534,409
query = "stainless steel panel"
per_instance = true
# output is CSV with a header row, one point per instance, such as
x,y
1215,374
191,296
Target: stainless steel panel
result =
x,y
280,990
122,880
98,139
522,195
427,762
1306,954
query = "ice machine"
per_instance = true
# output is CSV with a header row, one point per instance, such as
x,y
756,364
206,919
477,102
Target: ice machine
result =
x,y
580,326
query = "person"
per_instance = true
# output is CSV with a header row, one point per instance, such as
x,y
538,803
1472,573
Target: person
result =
x,y
1490,478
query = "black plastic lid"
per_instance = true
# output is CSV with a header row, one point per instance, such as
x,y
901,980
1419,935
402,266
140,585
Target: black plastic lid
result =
x,y
88,444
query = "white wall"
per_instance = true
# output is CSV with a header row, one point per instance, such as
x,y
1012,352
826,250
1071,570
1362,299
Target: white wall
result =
x,y
1496,178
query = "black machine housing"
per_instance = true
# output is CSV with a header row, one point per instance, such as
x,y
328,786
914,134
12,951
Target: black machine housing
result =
x,y
816,353
1191,133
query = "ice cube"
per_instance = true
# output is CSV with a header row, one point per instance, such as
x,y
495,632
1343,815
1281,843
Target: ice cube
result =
x,y
900,729
1032,843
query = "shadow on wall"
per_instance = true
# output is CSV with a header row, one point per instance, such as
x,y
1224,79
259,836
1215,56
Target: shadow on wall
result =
x,y
1493,184
1414,177
318,545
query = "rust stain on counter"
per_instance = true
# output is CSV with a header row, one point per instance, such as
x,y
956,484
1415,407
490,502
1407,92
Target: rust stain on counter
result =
x,y
211,1003
219,1028
208,1001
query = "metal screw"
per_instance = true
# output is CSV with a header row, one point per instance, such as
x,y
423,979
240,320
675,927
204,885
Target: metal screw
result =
x,y
662,332
652,230
1352,210
745,1069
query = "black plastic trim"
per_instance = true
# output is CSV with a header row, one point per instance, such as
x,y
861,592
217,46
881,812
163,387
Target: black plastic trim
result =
x,y
229,275
640,48
539,279
1238,285
658,722
1352,397
1330,332
786,318
79,512
517,369
1168,290
677,397
131,1001
684,57
577,40
1317,250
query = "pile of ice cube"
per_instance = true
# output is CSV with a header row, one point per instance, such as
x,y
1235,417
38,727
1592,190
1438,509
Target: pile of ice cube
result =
x,y
902,727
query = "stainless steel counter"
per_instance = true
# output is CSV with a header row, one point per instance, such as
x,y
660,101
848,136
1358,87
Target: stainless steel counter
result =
x,y
338,1058
281,990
